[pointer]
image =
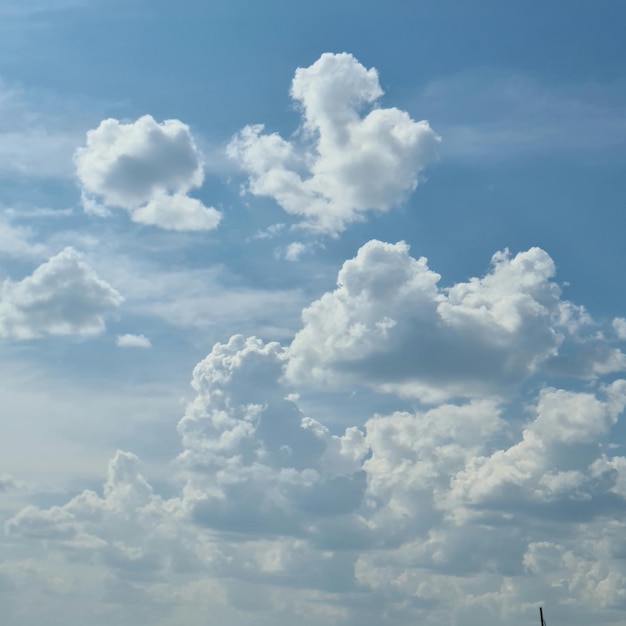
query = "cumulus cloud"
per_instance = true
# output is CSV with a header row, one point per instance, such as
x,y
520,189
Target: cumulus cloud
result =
x,y
147,168
346,162
262,466
390,325
421,504
133,341
109,526
63,296
552,462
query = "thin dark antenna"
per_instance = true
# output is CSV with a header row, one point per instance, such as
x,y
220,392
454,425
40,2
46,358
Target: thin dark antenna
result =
x,y
543,621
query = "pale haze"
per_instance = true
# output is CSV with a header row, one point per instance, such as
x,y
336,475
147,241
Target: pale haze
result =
x,y
312,313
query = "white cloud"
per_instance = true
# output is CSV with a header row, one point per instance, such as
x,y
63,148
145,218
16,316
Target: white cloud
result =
x,y
553,463
133,341
389,324
256,464
345,164
146,168
63,296
619,326
296,249
177,212
272,500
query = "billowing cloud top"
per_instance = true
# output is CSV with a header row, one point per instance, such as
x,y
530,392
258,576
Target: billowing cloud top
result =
x,y
146,168
390,325
345,163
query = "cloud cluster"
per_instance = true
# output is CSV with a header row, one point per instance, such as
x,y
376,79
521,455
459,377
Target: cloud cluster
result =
x,y
457,507
63,296
390,325
344,163
146,168
498,485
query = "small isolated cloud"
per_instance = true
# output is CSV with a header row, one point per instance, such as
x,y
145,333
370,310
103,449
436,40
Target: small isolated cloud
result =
x,y
344,163
147,169
390,325
63,296
296,249
133,341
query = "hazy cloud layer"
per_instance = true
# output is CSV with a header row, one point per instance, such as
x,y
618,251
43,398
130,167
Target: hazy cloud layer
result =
x,y
344,162
6,482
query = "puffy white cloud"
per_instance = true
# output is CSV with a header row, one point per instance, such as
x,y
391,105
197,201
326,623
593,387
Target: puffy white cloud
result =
x,y
346,163
390,325
413,456
146,168
133,341
555,461
63,296
177,212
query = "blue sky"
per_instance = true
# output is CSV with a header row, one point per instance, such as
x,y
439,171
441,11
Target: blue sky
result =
x,y
383,242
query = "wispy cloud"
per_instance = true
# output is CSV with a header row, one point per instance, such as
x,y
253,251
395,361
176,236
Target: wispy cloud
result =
x,y
493,115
